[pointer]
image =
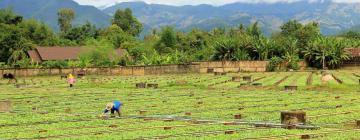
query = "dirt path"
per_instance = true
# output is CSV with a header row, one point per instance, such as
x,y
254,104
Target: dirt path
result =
x,y
337,79
282,80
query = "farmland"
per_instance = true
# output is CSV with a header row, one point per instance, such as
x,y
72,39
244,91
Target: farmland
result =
x,y
191,106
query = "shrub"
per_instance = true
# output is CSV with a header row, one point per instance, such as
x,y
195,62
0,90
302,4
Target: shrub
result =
x,y
274,64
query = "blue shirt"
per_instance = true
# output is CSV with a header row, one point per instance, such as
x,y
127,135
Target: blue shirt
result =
x,y
117,105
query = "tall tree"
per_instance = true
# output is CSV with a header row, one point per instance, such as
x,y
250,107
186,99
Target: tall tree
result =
x,y
127,22
167,40
65,18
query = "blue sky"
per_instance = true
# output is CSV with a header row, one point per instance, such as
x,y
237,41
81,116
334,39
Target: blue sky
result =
x,y
190,2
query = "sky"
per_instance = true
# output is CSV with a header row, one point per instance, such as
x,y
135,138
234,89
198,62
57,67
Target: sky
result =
x,y
100,3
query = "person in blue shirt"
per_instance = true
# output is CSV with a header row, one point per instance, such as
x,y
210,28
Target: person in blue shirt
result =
x,y
112,107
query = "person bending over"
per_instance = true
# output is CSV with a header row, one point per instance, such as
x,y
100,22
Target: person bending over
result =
x,y
113,107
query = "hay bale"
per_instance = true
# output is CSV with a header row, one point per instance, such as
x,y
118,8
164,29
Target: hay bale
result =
x,y
5,106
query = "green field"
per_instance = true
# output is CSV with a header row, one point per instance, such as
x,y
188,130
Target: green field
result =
x,y
45,108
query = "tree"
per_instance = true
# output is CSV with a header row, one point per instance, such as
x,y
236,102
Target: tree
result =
x,y
65,18
167,40
304,34
81,33
254,31
231,49
7,16
127,22
116,36
13,43
38,33
326,52
291,28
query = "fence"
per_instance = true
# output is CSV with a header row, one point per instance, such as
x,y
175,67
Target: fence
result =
x,y
125,71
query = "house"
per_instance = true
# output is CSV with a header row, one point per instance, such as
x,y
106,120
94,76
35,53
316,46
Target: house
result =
x,y
41,54
354,57
354,52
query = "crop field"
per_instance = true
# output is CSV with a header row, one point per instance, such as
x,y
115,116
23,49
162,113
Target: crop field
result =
x,y
186,106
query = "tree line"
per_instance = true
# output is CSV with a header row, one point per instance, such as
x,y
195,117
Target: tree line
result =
x,y
166,45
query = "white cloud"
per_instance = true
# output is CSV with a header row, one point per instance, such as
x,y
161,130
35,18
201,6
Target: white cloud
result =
x,y
195,2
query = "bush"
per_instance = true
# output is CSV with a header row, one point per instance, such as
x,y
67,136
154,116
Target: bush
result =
x,y
274,64
55,64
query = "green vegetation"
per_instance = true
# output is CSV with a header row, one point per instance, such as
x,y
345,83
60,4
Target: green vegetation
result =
x,y
166,45
44,107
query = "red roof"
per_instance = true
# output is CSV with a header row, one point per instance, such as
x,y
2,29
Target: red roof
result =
x,y
61,53
35,57
354,52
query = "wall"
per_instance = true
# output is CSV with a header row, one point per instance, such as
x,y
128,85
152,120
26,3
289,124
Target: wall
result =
x,y
195,67
233,66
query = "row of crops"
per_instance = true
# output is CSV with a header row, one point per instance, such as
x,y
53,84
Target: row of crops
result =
x,y
191,106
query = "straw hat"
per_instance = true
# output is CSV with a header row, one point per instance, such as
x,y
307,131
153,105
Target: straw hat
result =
x,y
70,76
109,106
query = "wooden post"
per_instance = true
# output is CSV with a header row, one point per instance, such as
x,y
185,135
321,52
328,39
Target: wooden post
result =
x,y
305,137
153,86
291,88
292,118
358,123
230,132
167,128
142,112
210,70
5,106
140,85
247,78
237,116
236,78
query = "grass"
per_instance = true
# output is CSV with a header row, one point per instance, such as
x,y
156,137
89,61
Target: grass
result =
x,y
46,108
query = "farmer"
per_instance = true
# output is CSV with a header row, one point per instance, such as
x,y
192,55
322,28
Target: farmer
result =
x,y
71,80
112,107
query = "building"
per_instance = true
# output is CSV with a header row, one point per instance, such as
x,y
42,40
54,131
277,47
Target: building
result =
x,y
354,57
41,54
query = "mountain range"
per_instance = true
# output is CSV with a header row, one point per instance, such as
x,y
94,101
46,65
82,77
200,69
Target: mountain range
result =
x,y
46,11
333,17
